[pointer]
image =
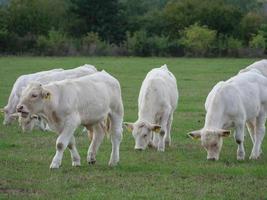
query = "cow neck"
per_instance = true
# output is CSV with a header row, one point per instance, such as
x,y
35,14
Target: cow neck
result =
x,y
12,103
148,116
215,114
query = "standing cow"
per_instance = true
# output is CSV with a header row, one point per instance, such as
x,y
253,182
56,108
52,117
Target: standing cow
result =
x,y
30,122
157,101
67,104
21,82
231,104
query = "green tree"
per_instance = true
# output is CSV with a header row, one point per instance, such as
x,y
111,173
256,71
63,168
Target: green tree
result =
x,y
198,40
215,14
104,17
250,25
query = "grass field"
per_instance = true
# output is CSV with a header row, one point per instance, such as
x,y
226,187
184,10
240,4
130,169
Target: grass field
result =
x,y
181,172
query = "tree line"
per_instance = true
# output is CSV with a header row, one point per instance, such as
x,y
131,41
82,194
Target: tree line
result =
x,y
134,27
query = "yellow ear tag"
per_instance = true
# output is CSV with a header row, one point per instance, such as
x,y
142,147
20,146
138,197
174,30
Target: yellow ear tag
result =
x,y
48,96
129,129
157,130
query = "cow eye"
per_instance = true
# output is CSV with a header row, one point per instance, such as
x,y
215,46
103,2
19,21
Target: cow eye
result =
x,y
145,135
34,95
214,145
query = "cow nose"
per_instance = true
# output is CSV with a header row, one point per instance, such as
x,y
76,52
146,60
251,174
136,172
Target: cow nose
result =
x,y
20,108
211,159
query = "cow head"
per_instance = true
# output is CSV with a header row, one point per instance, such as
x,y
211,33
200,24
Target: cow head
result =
x,y
9,117
211,140
142,133
32,99
28,123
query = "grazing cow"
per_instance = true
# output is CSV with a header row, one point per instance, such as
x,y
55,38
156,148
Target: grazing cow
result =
x,y
21,82
261,66
231,104
157,101
66,104
29,123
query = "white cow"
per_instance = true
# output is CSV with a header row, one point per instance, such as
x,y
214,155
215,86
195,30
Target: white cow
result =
x,y
261,66
29,123
21,82
67,104
231,104
157,101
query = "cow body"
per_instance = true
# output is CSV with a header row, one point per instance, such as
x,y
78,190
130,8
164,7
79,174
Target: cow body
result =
x,y
260,66
66,104
231,104
157,101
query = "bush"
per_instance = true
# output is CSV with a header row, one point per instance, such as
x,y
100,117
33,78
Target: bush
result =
x,y
233,46
250,25
197,40
56,43
257,42
140,44
92,45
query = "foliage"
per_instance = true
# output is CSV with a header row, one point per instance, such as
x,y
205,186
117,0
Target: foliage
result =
x,y
233,43
250,25
197,40
56,43
147,27
257,41
102,17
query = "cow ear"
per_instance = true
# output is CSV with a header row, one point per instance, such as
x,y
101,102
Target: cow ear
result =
x,y
129,126
46,94
155,128
195,134
224,133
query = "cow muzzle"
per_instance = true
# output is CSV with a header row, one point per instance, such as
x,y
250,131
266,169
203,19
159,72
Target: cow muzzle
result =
x,y
21,109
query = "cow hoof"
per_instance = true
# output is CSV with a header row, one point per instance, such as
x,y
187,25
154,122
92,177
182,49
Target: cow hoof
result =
x,y
113,163
76,163
91,162
253,157
240,157
161,149
168,143
54,165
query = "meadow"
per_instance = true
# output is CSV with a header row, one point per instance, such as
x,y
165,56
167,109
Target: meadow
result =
x,y
181,172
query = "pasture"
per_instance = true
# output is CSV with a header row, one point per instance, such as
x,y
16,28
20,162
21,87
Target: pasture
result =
x,y
181,172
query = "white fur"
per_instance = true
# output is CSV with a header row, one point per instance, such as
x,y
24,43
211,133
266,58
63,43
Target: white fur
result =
x,y
231,104
14,96
157,101
260,66
88,101
29,124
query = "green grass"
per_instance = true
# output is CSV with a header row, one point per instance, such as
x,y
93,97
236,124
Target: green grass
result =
x,y
181,172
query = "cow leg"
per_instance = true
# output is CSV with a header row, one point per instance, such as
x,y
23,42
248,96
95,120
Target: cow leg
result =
x,y
260,132
98,135
62,142
163,131
116,137
251,126
155,140
75,157
167,137
239,138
